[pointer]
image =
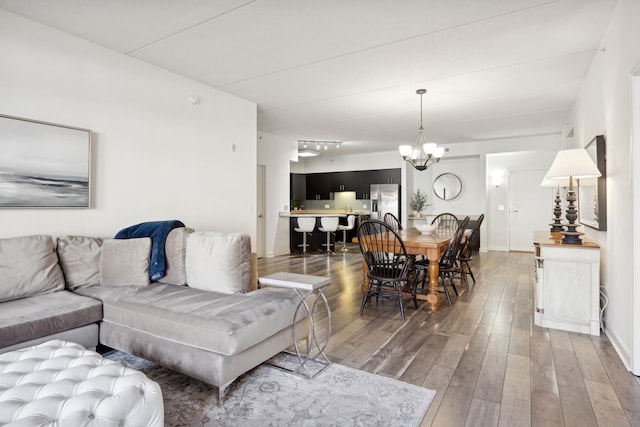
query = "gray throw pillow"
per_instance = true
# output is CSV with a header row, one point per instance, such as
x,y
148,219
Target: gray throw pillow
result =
x,y
175,253
125,262
80,260
28,266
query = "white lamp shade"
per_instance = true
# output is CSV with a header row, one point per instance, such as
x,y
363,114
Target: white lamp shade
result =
x,y
405,150
572,163
438,152
562,182
429,147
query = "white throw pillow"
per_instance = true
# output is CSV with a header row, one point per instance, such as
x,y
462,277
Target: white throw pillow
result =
x,y
219,262
125,262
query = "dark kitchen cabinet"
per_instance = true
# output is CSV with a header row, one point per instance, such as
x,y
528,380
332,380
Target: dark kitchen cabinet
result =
x,y
343,181
388,176
298,186
318,186
363,181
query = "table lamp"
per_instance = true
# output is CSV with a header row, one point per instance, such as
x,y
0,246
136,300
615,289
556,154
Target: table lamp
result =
x,y
572,163
556,226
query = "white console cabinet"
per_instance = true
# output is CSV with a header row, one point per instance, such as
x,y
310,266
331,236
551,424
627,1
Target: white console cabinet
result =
x,y
567,286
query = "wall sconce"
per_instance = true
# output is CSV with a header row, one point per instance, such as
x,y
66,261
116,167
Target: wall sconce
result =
x,y
497,178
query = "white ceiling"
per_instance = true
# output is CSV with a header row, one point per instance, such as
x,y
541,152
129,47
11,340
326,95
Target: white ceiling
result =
x,y
348,70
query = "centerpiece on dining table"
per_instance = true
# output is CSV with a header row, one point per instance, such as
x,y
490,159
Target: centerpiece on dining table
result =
x,y
419,201
426,228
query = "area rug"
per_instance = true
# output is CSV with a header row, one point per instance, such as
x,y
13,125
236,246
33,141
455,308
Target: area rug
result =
x,y
269,396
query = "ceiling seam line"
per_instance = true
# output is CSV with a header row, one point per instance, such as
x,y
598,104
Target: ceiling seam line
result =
x,y
190,27
354,52
429,80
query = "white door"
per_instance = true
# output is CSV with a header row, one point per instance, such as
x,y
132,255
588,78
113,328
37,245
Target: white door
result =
x,y
530,207
260,209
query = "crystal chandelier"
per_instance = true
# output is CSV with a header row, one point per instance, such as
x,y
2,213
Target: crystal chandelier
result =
x,y
423,154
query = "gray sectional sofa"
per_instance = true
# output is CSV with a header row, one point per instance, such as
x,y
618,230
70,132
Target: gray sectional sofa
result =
x,y
202,318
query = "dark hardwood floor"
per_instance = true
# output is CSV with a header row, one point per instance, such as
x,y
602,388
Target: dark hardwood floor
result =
x,y
488,362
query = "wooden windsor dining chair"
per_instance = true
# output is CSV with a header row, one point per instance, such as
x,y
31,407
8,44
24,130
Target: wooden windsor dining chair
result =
x,y
470,247
449,266
388,266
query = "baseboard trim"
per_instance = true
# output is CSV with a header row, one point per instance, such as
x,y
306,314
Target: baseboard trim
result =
x,y
624,355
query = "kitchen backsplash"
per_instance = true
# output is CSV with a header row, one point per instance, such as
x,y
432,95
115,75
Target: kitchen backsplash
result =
x,y
342,200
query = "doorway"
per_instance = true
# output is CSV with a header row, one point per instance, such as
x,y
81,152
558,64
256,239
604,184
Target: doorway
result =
x,y
260,211
530,207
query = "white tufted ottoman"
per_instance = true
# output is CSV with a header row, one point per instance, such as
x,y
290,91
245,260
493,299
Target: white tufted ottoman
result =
x,y
62,384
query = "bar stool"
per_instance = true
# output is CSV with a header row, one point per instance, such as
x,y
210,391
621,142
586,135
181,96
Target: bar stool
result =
x,y
351,222
305,226
329,225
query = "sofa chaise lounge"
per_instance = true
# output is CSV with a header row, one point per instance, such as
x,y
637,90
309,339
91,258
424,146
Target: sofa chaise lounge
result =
x,y
202,318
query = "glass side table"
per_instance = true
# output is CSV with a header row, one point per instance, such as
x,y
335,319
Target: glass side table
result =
x,y
305,286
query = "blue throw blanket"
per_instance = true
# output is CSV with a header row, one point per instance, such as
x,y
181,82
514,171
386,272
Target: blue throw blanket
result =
x,y
157,231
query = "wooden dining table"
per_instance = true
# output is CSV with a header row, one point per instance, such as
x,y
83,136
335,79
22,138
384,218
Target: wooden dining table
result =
x,y
431,245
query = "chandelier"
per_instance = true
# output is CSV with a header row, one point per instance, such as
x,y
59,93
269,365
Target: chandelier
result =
x,y
423,154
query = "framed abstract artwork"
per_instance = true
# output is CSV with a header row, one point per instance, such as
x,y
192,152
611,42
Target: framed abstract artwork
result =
x,y
43,164
592,192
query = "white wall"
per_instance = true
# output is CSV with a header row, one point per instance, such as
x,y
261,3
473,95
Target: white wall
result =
x,y
276,154
497,221
354,162
392,159
471,198
505,145
604,107
471,161
156,156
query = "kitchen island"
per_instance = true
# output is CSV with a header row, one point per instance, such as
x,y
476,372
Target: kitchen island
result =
x,y
317,238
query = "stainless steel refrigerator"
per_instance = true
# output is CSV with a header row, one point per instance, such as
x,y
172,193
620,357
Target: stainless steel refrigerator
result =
x,y
385,198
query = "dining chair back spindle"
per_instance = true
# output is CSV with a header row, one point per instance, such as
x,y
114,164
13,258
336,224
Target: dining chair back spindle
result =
x,y
393,221
449,261
362,218
472,244
446,220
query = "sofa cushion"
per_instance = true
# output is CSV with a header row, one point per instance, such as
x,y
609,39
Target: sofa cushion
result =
x,y
80,260
125,262
219,262
175,252
28,266
226,324
41,315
